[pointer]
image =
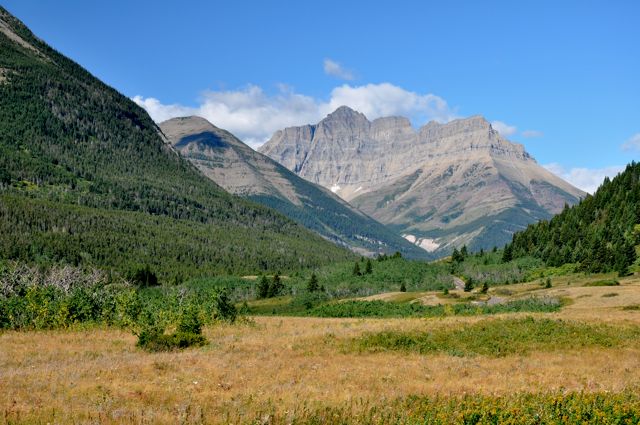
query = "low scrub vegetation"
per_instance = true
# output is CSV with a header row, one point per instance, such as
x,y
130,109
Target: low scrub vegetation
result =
x,y
606,282
498,338
163,318
388,309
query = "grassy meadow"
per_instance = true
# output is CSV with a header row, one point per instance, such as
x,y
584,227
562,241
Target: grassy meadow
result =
x,y
574,362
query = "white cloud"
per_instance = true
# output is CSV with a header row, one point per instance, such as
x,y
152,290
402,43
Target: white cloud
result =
x,y
532,133
633,144
334,69
253,115
504,129
587,179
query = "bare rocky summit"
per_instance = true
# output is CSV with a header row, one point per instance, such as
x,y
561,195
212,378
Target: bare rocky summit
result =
x,y
441,186
242,171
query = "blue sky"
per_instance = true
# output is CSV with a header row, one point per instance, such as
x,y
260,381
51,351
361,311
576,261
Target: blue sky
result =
x,y
561,77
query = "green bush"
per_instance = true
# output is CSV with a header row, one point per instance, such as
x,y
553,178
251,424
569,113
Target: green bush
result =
x,y
608,282
153,341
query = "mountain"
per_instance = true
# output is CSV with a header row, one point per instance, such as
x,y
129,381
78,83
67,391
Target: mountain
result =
x,y
242,171
600,233
441,186
87,178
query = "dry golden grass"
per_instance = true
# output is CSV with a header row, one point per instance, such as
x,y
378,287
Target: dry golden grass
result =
x,y
285,363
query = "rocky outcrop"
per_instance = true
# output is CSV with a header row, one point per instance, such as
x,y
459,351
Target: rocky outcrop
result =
x,y
442,185
242,171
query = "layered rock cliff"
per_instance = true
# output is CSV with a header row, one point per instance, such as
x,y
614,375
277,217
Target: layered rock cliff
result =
x,y
442,185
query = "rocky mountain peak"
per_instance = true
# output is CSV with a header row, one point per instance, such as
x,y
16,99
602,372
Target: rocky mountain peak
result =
x,y
344,113
344,119
431,182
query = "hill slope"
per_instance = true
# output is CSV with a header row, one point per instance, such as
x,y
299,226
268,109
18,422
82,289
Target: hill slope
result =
x,y
599,233
244,172
443,185
86,177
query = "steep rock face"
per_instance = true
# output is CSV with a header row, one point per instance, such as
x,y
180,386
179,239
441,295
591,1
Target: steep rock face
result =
x,y
242,171
441,186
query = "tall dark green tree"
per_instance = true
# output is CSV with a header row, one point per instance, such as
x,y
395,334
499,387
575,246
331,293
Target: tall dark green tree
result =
x,y
312,285
356,269
468,285
368,268
276,287
262,290
507,254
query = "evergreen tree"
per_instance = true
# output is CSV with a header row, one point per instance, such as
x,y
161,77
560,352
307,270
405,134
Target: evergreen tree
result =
x,y
548,283
403,287
368,268
507,254
263,287
463,252
312,285
485,288
468,285
276,288
356,269
456,257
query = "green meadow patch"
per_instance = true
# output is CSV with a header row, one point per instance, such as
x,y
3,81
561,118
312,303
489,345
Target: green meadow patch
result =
x,y
501,337
383,309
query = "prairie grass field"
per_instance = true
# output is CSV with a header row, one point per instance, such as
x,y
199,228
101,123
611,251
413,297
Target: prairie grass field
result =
x,y
577,363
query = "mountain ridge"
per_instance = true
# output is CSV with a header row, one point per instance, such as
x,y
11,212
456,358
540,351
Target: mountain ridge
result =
x,y
430,183
242,171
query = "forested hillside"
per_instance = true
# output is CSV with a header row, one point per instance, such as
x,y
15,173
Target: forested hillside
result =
x,y
86,177
600,233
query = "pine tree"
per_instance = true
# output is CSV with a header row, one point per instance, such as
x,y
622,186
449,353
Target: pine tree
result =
x,y
356,269
276,286
485,288
263,287
463,252
368,268
312,285
548,283
403,287
468,285
507,254
455,256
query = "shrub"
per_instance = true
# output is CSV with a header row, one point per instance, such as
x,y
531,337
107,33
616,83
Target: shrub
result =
x,y
609,282
153,341
225,309
308,300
